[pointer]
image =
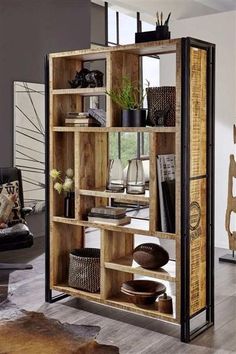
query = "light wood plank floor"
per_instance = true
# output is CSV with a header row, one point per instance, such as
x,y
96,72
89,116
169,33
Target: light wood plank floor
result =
x,y
131,333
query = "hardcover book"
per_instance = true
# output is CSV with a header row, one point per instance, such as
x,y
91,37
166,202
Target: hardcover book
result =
x,y
112,211
109,221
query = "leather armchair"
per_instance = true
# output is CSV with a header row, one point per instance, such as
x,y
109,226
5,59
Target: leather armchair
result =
x,y
18,235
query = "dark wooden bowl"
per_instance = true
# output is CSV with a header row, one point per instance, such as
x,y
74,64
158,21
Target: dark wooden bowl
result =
x,y
142,292
150,255
140,299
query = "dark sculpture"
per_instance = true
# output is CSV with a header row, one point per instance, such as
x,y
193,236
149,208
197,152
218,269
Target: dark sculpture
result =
x,y
95,78
87,78
80,79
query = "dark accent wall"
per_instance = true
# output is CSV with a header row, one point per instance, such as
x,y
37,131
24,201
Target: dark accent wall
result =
x,y
29,29
98,26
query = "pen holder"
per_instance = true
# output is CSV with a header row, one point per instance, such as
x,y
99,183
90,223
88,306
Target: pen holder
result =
x,y
161,33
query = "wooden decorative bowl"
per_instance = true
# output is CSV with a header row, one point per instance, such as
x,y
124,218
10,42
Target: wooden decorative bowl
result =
x,y
142,292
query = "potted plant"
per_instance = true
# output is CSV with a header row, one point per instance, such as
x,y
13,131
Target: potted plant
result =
x,y
130,98
66,185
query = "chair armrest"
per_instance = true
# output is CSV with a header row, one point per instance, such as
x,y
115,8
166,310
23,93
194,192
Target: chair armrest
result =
x,y
26,211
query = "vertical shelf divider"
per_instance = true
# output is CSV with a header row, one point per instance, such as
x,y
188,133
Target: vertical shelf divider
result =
x,y
76,176
153,204
114,245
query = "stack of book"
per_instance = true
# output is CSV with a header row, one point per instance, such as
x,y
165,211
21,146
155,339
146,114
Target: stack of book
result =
x,y
109,215
81,119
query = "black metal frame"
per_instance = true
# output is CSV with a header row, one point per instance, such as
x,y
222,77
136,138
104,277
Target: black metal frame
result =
x,y
186,333
48,292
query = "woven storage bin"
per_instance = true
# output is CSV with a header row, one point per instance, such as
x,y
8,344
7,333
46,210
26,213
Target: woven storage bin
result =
x,y
84,269
161,106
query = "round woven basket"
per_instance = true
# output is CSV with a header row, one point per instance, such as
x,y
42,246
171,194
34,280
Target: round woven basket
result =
x,y
84,269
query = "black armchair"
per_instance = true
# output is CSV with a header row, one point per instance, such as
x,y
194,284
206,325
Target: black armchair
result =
x,y
17,235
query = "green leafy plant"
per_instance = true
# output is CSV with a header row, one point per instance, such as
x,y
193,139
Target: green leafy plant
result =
x,y
128,96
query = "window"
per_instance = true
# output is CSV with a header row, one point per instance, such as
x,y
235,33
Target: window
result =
x,y
121,29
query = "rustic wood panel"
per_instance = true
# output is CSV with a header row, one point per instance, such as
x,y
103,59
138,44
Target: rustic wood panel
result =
x,y
165,143
140,227
80,91
92,160
92,166
64,70
64,239
198,127
119,65
114,245
62,158
117,129
197,245
147,48
62,105
102,192
64,288
198,111
127,264
159,143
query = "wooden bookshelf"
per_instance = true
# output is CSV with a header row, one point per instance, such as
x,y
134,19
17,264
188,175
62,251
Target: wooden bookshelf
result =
x,y
85,149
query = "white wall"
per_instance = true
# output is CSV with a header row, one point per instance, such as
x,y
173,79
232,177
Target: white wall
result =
x,y
221,30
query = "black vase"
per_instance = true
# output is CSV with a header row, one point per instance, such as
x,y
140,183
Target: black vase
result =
x,y
69,205
133,118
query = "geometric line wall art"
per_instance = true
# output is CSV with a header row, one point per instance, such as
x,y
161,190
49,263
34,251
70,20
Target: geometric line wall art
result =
x,y
29,140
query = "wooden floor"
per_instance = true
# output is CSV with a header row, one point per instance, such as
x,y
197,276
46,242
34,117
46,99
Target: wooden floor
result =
x,y
132,334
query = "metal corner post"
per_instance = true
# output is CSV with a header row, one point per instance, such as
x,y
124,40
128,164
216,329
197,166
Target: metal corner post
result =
x,y
187,334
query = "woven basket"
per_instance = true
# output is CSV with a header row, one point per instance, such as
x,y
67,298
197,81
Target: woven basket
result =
x,y
84,269
161,106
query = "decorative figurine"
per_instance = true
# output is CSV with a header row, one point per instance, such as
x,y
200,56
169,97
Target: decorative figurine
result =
x,y
87,78
80,79
94,78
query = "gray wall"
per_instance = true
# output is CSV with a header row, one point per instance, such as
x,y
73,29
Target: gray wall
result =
x,y
29,29
98,26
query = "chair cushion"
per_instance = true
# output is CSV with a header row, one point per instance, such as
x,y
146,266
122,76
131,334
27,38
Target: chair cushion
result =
x,y
11,188
14,233
6,205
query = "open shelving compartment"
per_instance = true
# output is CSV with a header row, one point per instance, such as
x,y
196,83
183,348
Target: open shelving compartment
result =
x,y
65,238
86,149
62,159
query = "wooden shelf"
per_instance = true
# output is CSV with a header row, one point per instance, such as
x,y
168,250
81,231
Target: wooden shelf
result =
x,y
96,91
148,48
139,227
121,301
128,265
76,292
101,192
116,129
